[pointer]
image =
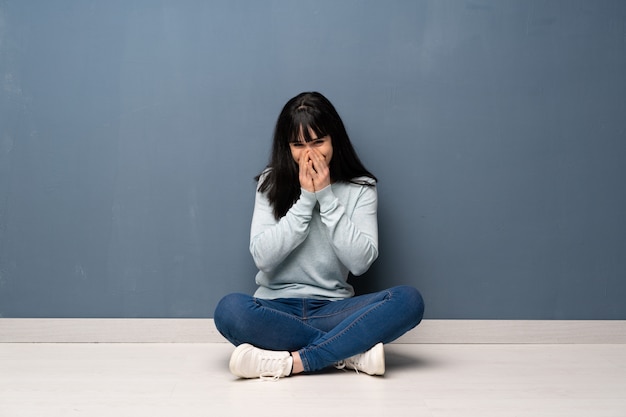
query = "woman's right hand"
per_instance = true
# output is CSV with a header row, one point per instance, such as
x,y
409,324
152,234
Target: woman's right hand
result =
x,y
305,175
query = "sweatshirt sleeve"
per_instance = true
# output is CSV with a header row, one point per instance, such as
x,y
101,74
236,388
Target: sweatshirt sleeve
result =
x,y
354,238
271,241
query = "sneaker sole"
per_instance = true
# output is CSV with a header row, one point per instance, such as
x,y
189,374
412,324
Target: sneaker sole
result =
x,y
235,359
379,351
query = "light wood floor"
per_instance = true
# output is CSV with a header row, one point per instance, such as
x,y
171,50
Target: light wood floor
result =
x,y
434,380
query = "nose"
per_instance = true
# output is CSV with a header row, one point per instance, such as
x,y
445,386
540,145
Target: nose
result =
x,y
304,146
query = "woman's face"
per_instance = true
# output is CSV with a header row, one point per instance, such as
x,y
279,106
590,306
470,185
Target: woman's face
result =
x,y
323,145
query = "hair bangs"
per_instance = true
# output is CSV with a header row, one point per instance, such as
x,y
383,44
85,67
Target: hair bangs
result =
x,y
306,125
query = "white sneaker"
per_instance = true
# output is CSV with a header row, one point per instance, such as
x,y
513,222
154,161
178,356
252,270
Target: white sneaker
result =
x,y
248,361
371,362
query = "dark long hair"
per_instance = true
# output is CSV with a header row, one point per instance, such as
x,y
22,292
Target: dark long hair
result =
x,y
305,112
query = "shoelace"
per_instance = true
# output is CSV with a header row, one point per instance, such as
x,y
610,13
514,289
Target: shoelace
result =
x,y
271,369
344,363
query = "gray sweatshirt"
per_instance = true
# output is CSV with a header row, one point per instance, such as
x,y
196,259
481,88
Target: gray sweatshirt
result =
x,y
309,252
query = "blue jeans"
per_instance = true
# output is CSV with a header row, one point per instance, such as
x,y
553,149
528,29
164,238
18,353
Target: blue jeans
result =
x,y
323,332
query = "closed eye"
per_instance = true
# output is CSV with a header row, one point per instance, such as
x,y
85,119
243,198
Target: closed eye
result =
x,y
314,142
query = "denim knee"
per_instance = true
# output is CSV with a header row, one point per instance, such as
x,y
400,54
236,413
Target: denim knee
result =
x,y
413,302
228,311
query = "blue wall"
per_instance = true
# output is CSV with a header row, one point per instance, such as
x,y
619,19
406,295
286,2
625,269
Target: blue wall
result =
x,y
130,131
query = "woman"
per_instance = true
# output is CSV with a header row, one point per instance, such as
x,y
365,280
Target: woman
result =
x,y
314,222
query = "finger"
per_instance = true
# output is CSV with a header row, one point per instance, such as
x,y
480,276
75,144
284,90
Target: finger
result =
x,y
304,164
303,159
320,166
306,173
314,160
311,168
318,158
